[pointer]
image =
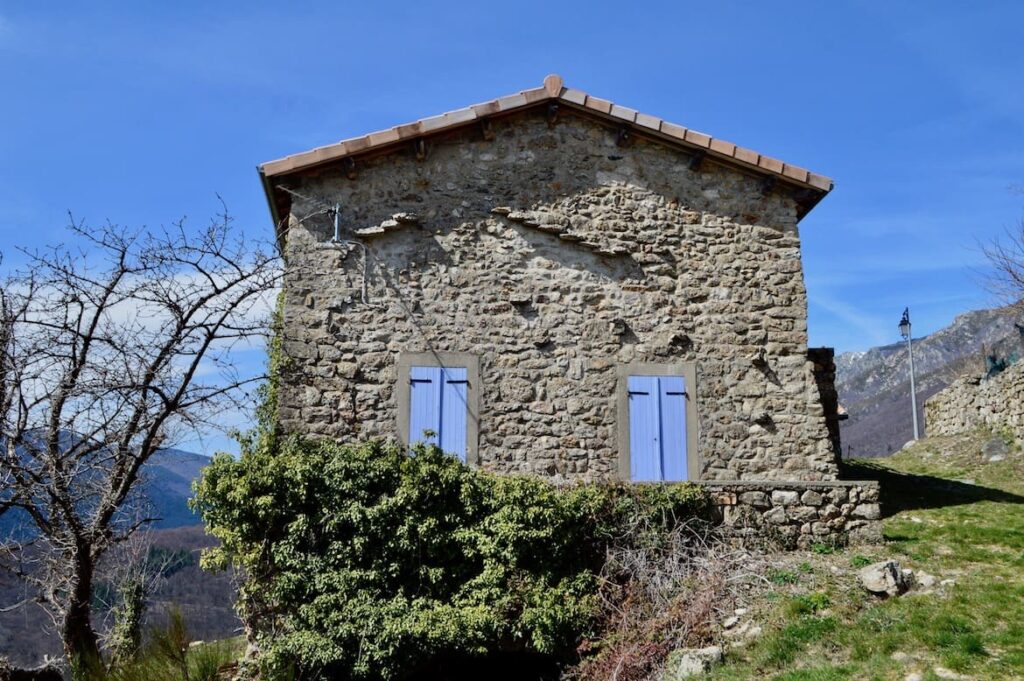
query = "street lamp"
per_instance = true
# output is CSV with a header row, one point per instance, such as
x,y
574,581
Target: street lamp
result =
x,y
905,332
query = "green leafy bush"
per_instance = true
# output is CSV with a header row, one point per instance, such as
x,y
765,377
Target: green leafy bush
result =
x,y
782,577
808,604
859,561
366,562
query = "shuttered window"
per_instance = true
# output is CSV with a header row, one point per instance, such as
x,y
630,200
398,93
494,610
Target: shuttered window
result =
x,y
438,407
657,428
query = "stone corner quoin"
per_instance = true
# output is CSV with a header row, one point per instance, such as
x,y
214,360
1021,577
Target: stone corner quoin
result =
x,y
556,251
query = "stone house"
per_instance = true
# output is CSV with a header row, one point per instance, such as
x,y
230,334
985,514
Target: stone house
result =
x,y
549,283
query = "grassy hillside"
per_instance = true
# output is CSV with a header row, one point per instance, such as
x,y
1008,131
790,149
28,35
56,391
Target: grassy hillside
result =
x,y
950,513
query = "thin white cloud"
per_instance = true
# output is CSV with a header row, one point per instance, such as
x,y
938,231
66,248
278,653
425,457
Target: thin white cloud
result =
x,y
868,328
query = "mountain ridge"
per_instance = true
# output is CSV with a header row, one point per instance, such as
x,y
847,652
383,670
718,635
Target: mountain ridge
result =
x,y
166,486
874,384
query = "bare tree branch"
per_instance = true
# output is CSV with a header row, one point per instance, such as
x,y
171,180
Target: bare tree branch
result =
x,y
110,349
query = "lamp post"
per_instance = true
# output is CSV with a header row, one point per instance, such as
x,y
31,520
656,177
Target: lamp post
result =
x,y
905,332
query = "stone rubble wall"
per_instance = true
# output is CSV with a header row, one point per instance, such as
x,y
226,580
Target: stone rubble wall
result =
x,y
797,515
823,360
974,401
555,255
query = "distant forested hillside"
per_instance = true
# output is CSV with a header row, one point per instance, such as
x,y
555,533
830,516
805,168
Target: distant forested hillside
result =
x,y
176,539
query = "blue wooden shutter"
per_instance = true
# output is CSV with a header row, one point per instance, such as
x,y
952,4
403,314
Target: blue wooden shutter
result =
x,y
657,428
454,407
644,427
424,404
673,427
438,404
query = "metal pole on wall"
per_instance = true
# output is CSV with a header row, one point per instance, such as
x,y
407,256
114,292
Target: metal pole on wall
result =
x,y
905,331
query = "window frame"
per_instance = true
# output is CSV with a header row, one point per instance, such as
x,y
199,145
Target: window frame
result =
x,y
688,370
471,363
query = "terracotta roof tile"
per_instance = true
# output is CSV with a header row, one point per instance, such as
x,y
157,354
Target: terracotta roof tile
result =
x,y
624,113
598,104
574,96
552,89
408,130
746,155
486,109
723,147
772,164
795,172
698,138
356,145
511,102
383,137
647,121
433,123
673,130
819,181
535,95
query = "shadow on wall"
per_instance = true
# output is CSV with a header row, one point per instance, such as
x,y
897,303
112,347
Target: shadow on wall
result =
x,y
907,491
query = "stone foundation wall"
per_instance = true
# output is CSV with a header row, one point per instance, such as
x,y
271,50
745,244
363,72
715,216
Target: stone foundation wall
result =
x,y
555,253
969,403
799,514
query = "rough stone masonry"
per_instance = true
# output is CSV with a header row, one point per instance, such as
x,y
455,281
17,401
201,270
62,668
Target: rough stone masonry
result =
x,y
975,401
556,251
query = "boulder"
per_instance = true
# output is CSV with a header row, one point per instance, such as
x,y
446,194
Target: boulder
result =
x,y
687,663
886,578
995,449
925,580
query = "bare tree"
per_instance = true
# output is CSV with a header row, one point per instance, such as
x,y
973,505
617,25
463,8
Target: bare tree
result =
x,y
110,348
1006,256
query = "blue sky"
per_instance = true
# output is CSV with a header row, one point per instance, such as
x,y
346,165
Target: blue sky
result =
x,y
140,112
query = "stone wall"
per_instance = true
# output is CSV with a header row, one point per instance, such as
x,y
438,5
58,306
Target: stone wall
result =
x,y
799,514
823,361
968,403
556,254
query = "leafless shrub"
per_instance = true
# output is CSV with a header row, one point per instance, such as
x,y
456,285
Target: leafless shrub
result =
x,y
135,572
1005,254
661,592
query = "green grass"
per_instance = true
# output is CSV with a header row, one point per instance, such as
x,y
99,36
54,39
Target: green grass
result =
x,y
826,627
169,655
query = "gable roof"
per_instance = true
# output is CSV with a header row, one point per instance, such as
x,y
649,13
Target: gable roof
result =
x,y
553,91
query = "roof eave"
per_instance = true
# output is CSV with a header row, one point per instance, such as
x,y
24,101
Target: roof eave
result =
x,y
815,187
